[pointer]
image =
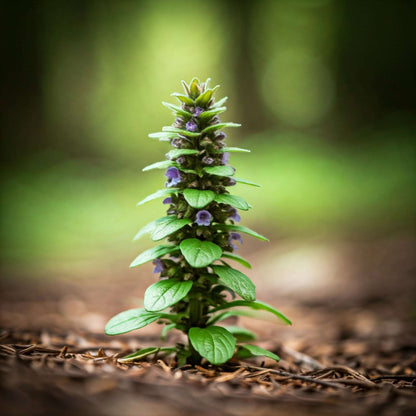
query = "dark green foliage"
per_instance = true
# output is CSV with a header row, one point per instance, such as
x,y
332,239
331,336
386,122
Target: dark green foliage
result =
x,y
196,282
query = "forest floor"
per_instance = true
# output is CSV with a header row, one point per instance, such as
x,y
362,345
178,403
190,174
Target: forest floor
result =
x,y
351,350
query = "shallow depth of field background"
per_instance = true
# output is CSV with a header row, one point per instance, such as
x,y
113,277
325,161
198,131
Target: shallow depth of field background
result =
x,y
325,91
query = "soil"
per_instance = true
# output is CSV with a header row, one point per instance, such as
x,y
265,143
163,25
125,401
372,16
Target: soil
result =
x,y
351,350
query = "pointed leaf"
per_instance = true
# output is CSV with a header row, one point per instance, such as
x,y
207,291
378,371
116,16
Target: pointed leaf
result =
x,y
148,228
185,99
237,281
220,102
219,170
253,305
153,253
241,334
182,132
159,165
237,258
205,97
219,126
255,350
198,199
233,200
200,253
234,149
228,314
167,226
129,321
177,110
173,154
138,355
246,182
165,293
214,343
241,229
157,194
207,115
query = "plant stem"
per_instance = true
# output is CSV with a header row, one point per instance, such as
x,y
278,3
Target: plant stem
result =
x,y
194,319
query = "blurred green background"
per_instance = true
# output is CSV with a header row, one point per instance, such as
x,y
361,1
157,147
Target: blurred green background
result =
x,y
325,91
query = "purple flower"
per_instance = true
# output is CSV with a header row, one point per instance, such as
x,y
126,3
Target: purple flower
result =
x,y
191,125
173,175
225,158
198,111
234,215
167,200
203,217
220,136
207,160
236,237
159,267
181,160
231,182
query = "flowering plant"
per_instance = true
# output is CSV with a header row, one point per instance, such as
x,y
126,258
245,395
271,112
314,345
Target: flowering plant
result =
x,y
201,229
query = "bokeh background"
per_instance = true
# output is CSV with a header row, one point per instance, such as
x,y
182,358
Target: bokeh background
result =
x,y
325,91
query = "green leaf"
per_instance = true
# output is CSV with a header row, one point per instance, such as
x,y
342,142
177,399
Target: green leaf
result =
x,y
255,350
148,228
241,229
215,127
228,314
129,321
207,115
177,110
234,149
205,97
165,330
165,293
184,98
241,334
167,226
198,199
219,170
159,165
200,253
253,305
138,355
220,102
153,253
183,132
237,281
162,136
237,258
214,343
246,182
193,88
173,154
233,200
157,194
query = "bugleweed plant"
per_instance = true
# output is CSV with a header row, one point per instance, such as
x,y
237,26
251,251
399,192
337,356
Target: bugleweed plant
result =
x,y
197,287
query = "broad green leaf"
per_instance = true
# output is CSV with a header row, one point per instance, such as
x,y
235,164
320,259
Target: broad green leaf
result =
x,y
237,258
215,127
148,228
200,253
255,350
219,170
167,226
165,293
178,110
129,321
237,281
257,305
198,199
182,132
214,343
207,115
185,99
193,88
241,229
159,165
162,136
205,97
157,194
233,200
246,182
241,334
220,102
234,149
173,154
153,253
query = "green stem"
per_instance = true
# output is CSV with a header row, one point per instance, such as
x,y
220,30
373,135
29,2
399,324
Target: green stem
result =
x,y
194,320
